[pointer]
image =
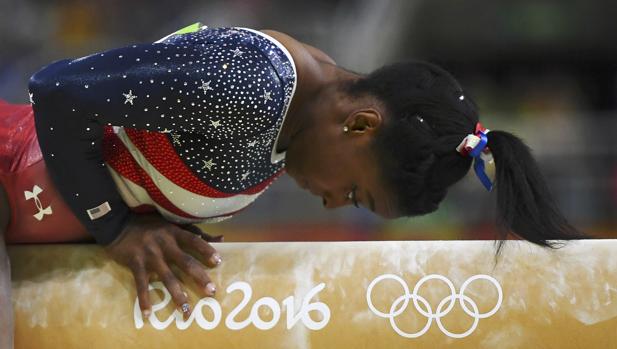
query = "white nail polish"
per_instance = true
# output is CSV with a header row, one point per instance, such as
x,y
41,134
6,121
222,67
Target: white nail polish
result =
x,y
210,289
216,259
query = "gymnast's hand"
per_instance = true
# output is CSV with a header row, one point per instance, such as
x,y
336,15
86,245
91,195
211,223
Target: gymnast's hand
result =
x,y
149,243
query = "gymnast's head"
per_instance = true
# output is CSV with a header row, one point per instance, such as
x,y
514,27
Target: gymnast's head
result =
x,y
388,141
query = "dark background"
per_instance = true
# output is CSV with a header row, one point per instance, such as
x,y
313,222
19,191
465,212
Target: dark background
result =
x,y
544,70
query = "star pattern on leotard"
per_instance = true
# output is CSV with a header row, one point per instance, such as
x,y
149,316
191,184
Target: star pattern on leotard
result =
x,y
31,95
237,52
267,96
208,164
223,101
205,85
129,97
175,139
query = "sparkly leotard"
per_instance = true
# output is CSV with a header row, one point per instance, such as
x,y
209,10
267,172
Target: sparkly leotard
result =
x,y
187,126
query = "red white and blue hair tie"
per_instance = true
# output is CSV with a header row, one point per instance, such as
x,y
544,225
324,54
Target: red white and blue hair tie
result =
x,y
474,145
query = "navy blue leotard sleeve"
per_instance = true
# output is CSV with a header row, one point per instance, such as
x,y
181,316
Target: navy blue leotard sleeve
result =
x,y
72,101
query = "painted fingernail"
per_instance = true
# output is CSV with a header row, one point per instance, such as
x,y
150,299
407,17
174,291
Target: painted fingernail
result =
x,y
146,313
215,259
210,289
186,308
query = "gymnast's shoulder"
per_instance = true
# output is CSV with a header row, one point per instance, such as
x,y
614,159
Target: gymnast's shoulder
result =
x,y
312,66
299,50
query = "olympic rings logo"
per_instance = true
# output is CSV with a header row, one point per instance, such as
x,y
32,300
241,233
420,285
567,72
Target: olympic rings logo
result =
x,y
397,308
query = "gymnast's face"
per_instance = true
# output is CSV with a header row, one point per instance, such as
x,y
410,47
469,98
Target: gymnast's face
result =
x,y
340,166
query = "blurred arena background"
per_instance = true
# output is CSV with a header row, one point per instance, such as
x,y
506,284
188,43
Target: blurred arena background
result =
x,y
545,70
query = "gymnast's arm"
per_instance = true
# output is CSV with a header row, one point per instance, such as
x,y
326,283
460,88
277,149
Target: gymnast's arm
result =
x,y
73,100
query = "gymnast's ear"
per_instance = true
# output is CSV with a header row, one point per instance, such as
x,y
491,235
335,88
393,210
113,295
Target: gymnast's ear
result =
x,y
367,120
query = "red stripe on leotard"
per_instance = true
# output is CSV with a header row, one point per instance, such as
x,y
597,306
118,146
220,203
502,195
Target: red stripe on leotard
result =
x,y
120,159
163,156
160,153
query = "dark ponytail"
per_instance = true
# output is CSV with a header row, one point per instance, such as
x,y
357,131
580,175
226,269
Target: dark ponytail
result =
x,y
525,206
428,115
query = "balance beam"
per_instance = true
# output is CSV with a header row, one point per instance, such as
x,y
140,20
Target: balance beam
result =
x,y
394,294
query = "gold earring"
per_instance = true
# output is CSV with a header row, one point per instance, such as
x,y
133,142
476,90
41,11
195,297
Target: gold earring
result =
x,y
345,129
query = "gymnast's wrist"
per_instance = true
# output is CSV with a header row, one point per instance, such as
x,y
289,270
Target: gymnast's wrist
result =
x,y
112,229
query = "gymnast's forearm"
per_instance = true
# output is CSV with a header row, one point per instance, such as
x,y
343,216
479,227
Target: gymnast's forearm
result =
x,y
71,147
70,136
73,100
6,308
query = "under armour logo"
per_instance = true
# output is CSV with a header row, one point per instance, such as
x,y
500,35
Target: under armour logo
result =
x,y
34,194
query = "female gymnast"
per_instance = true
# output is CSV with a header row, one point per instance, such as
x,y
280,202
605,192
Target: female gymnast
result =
x,y
133,145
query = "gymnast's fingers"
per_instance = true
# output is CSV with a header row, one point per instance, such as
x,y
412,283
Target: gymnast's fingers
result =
x,y
196,270
141,281
193,241
172,284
